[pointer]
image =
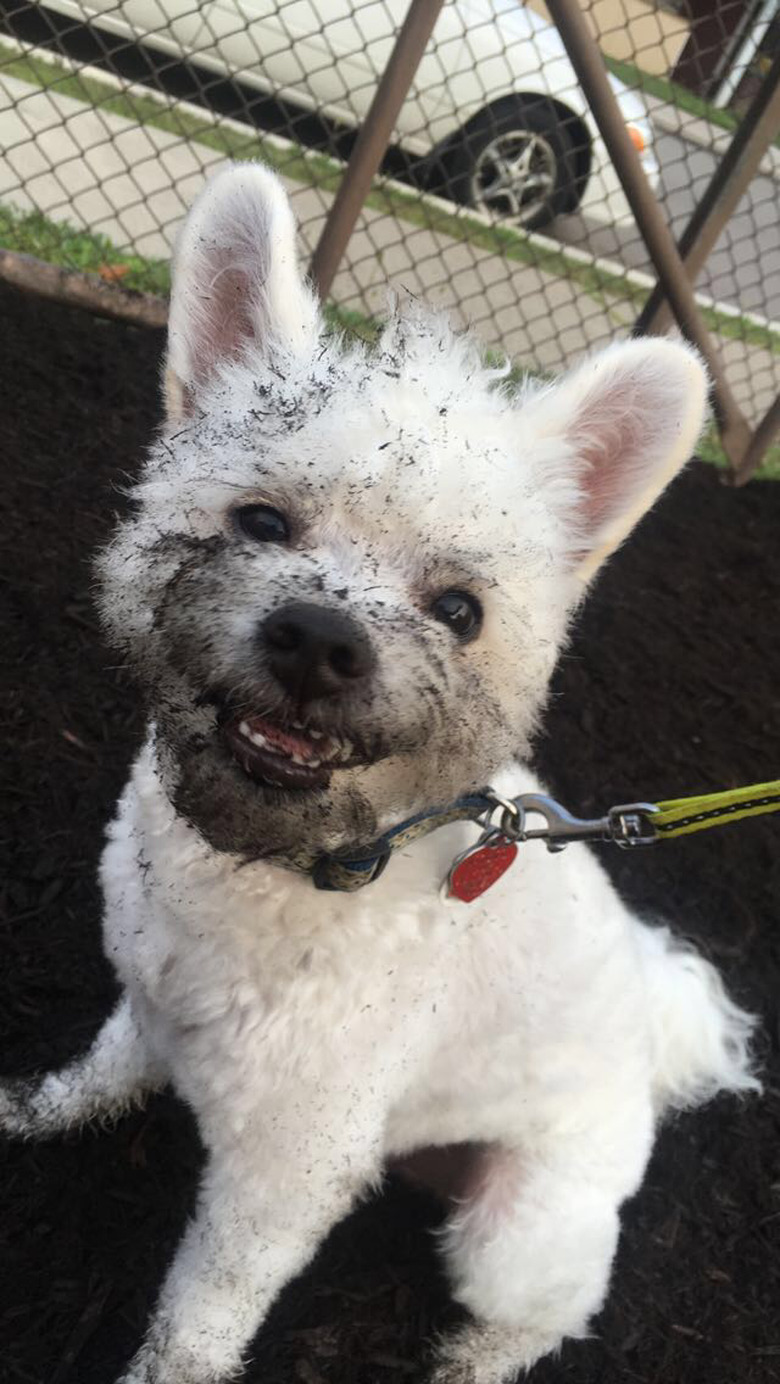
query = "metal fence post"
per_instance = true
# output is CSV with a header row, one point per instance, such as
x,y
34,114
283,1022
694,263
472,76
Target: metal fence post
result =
x,y
719,201
762,439
373,140
588,64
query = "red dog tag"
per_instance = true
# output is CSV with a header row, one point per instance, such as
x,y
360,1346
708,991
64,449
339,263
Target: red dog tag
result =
x,y
480,866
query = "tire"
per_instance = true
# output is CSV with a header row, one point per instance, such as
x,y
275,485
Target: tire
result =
x,y
524,131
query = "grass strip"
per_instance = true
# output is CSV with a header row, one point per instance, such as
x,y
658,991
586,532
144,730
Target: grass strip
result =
x,y
673,94
57,242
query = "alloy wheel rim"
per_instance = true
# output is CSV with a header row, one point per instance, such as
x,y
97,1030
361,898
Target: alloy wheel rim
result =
x,y
514,176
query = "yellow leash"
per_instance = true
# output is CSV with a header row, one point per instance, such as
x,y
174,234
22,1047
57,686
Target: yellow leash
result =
x,y
681,816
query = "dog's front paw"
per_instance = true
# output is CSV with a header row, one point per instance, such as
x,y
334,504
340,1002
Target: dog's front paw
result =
x,y
143,1368
149,1366
156,1364
488,1354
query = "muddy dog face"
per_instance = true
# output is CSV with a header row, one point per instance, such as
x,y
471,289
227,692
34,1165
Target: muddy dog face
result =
x,y
350,569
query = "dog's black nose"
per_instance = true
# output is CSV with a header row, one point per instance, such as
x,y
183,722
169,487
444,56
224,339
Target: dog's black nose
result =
x,y
314,651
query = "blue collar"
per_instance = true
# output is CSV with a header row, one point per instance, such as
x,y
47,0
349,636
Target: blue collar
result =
x,y
355,868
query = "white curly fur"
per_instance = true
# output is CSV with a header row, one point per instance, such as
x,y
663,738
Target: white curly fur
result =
x,y
317,1034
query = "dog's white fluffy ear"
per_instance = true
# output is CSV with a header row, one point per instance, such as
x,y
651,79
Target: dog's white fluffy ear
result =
x,y
630,418
237,290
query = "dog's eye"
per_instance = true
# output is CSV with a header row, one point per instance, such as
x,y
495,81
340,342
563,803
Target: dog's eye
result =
x,y
463,613
264,524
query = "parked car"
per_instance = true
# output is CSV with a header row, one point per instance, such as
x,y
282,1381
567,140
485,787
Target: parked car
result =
x,y
495,118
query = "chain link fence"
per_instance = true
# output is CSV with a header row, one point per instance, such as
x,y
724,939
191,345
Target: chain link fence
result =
x,y
496,197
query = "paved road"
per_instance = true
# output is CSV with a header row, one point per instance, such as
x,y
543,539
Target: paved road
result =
x,y
744,268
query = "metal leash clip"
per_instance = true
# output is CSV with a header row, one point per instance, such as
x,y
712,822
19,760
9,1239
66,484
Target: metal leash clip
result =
x,y
628,825
483,864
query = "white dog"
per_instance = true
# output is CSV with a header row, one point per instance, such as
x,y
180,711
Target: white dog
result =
x,y
343,590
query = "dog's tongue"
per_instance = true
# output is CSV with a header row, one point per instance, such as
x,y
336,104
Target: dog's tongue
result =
x,y
285,740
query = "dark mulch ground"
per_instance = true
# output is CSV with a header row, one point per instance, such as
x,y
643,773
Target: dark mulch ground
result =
x,y
670,686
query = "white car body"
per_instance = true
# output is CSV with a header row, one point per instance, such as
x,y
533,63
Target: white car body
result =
x,y
327,56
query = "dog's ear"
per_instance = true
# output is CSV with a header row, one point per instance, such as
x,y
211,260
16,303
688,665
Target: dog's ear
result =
x,y
237,290
630,418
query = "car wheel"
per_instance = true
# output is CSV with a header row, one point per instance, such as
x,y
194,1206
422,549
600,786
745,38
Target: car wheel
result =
x,y
516,162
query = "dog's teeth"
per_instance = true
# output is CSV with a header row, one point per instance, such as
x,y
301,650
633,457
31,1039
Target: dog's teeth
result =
x,y
334,750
